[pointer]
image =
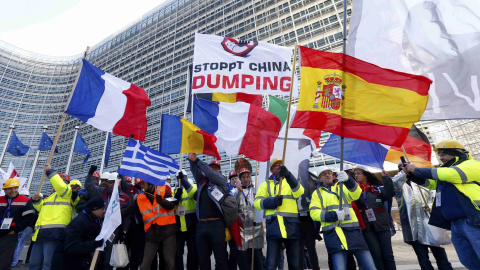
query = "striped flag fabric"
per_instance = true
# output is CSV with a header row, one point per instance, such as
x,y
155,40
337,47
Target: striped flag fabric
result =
x,y
240,128
147,164
418,149
378,104
178,135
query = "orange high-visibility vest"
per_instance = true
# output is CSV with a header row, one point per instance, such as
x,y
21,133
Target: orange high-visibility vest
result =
x,y
153,213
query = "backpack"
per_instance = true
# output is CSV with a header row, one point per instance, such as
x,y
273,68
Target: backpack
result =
x,y
229,208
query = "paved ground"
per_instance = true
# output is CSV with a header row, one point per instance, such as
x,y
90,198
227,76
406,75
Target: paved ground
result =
x,y
404,255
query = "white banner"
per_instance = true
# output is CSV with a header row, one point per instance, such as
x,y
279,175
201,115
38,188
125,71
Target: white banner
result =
x,y
437,39
113,217
228,65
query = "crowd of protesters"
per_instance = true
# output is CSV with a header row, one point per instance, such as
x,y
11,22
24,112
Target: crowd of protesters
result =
x,y
231,218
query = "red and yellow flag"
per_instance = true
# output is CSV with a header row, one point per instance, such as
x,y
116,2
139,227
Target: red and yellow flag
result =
x,y
378,104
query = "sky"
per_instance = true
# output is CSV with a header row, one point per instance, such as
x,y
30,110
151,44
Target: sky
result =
x,y
66,27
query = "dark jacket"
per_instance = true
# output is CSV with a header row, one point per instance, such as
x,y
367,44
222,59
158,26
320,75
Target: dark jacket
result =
x,y
84,197
80,241
376,201
21,210
201,170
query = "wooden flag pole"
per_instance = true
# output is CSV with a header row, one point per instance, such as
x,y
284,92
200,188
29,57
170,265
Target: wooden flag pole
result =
x,y
187,97
288,112
94,260
60,126
419,189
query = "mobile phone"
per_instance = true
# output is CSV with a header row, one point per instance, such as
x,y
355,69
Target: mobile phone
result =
x,y
404,162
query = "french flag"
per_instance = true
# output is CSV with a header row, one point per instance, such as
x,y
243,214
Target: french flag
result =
x,y
240,128
109,103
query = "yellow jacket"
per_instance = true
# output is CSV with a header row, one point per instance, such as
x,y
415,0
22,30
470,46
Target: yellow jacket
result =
x,y
55,211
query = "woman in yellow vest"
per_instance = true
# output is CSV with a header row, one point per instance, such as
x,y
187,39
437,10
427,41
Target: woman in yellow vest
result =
x,y
159,221
341,231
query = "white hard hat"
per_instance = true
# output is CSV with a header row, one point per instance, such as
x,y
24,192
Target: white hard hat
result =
x,y
321,169
105,175
112,176
347,166
361,167
178,172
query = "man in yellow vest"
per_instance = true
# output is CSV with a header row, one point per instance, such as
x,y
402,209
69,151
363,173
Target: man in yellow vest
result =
x,y
457,202
55,214
281,213
341,231
185,214
159,222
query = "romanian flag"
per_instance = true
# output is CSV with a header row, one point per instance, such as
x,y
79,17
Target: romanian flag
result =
x,y
417,147
178,135
378,104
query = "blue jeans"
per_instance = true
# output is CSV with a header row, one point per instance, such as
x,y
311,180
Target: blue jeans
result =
x,y
363,256
42,254
293,252
466,240
23,237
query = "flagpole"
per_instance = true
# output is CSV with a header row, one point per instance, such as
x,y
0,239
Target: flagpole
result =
x,y
104,153
12,127
253,229
71,150
35,163
187,97
342,140
288,111
419,189
60,126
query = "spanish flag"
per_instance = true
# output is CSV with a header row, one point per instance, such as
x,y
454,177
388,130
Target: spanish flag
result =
x,y
178,135
416,146
378,104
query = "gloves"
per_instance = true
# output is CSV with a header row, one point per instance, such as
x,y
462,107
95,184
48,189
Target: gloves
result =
x,y
278,200
158,198
180,175
284,172
98,243
93,169
178,194
340,214
342,177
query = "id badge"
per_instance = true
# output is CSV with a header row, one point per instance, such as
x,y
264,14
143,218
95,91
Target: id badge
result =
x,y
181,210
7,222
438,199
217,194
347,214
370,215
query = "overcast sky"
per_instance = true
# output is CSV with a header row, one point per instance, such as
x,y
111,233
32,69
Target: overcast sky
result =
x,y
66,27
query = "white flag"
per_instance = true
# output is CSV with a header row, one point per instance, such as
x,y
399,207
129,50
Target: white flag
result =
x,y
113,217
437,39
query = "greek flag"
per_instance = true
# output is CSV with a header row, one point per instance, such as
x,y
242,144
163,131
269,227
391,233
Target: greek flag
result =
x,y
147,164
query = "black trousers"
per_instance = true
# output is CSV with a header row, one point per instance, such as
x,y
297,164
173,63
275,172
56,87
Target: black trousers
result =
x,y
307,237
8,243
245,259
189,238
211,238
438,252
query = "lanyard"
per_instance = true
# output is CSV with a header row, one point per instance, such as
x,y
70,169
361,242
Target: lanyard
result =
x,y
440,186
331,192
365,198
275,186
247,196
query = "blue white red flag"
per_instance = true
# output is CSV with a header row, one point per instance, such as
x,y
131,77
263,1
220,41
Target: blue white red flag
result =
x,y
109,103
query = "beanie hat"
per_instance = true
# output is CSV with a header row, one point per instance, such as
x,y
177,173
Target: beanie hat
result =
x,y
95,203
